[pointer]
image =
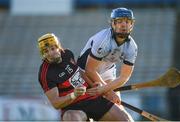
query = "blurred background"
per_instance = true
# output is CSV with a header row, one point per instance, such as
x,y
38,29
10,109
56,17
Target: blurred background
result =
x,y
156,33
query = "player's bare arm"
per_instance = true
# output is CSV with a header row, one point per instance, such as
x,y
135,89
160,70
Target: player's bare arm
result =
x,y
125,73
61,102
92,66
86,78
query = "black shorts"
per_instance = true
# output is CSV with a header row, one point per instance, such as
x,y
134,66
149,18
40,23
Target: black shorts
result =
x,y
94,108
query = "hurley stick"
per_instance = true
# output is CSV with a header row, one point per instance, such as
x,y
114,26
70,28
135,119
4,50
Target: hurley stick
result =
x,y
170,79
143,113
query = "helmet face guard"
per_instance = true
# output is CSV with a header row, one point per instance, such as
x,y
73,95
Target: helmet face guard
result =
x,y
120,13
47,41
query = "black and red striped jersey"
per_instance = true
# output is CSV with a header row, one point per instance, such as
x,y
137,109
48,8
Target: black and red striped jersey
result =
x,y
65,76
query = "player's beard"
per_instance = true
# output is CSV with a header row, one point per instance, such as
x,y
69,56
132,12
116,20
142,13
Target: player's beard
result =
x,y
56,58
123,33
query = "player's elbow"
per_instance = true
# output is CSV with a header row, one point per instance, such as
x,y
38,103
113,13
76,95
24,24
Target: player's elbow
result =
x,y
57,106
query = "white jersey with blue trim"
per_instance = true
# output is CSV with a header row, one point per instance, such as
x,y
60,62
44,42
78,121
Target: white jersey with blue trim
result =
x,y
103,47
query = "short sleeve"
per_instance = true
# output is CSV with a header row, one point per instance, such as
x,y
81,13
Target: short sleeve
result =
x,y
70,56
45,84
131,53
99,50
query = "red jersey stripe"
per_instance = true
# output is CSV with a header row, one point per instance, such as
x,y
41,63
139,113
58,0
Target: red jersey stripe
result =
x,y
43,76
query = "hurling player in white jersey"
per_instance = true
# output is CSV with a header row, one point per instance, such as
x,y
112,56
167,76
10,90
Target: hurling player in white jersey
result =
x,y
107,47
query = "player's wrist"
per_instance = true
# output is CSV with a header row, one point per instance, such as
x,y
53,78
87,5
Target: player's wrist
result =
x,y
72,96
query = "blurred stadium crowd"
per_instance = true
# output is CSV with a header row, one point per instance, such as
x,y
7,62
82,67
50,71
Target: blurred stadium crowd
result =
x,y
156,33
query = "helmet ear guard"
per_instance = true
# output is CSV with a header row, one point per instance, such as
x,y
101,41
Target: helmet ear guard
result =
x,y
47,40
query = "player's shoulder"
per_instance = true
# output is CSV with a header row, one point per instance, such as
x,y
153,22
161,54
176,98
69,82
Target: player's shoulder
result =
x,y
68,52
131,46
103,33
132,42
102,38
101,43
43,66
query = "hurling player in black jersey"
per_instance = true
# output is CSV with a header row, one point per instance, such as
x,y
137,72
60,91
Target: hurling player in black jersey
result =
x,y
65,88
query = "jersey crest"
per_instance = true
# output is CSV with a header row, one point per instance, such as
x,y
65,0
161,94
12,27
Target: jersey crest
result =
x,y
114,56
76,79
